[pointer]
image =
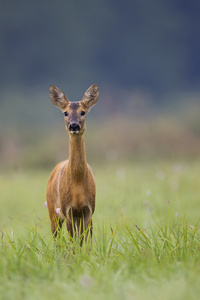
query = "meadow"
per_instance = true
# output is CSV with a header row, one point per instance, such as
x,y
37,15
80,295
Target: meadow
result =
x,y
145,243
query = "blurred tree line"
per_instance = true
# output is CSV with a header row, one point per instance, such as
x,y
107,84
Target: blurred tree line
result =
x,y
148,44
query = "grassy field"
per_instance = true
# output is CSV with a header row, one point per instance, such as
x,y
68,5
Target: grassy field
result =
x,y
146,242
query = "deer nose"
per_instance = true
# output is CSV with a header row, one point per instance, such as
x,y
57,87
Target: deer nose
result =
x,y
74,127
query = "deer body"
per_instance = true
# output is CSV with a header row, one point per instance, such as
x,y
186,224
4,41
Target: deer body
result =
x,y
71,187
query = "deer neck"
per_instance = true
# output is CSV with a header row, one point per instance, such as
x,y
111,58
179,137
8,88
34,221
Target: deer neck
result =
x,y
77,158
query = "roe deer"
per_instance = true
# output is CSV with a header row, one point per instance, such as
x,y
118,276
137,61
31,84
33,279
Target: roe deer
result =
x,y
71,187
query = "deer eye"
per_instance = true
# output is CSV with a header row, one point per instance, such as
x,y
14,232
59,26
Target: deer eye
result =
x,y
82,113
65,113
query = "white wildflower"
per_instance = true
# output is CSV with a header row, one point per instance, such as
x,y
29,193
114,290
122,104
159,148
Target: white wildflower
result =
x,y
58,210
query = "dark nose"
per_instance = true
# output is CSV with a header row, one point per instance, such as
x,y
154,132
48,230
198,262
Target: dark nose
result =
x,y
74,127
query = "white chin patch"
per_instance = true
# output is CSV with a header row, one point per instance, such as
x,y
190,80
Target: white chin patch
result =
x,y
74,132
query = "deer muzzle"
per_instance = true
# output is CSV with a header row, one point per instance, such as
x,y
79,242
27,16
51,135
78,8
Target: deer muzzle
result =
x,y
74,128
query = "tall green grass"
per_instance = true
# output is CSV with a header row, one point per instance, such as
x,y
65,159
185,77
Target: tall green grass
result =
x,y
146,242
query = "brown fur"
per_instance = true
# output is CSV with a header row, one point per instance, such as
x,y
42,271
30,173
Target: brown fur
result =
x,y
71,187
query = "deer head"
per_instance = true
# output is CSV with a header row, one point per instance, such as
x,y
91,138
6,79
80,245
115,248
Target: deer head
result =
x,y
74,112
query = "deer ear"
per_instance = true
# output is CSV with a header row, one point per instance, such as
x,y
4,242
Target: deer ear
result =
x,y
91,96
58,97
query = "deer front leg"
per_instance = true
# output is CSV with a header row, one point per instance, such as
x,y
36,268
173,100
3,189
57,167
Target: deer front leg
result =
x,y
75,227
78,227
56,225
85,231
89,231
69,228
